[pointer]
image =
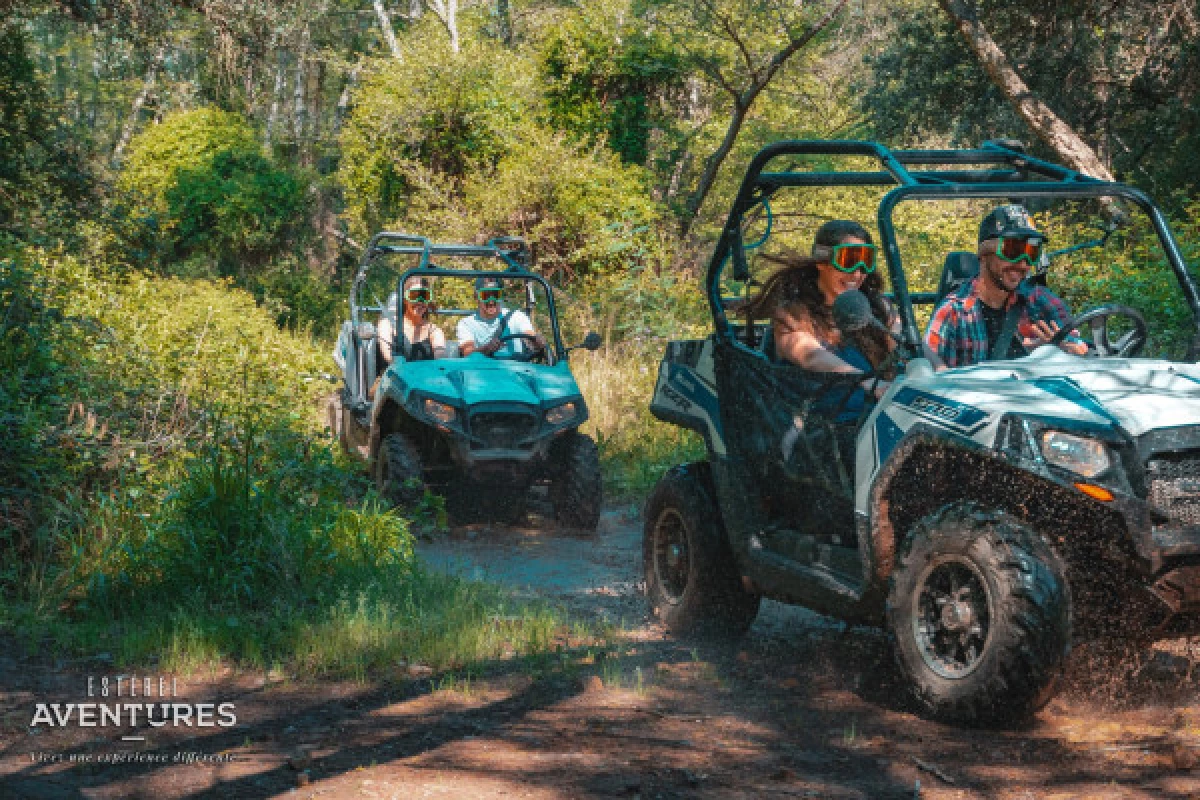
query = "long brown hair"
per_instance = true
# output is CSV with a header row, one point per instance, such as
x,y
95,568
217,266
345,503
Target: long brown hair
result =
x,y
795,285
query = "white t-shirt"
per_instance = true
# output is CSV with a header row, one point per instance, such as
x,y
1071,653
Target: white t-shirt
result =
x,y
480,331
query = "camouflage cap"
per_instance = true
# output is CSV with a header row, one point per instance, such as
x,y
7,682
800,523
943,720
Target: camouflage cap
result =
x,y
1010,220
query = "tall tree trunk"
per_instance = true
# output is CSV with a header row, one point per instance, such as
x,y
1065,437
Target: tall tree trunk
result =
x,y
742,101
276,95
385,25
504,27
447,12
299,107
131,121
343,103
97,70
1048,126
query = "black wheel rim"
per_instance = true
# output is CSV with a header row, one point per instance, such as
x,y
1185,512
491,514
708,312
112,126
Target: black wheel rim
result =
x,y
952,617
672,557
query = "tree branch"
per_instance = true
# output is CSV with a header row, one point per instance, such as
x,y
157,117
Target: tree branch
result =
x,y
741,107
1040,118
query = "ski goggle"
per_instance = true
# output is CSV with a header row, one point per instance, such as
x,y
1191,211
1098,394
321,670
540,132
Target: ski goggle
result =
x,y
1020,248
490,295
848,257
418,294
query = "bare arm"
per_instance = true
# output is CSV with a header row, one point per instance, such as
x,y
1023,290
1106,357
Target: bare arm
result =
x,y
796,343
386,335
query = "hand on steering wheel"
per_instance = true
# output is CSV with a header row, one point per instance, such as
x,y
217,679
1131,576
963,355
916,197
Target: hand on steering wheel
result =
x,y
537,346
1097,318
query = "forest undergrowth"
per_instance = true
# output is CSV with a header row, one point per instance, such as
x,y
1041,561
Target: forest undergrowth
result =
x,y
175,499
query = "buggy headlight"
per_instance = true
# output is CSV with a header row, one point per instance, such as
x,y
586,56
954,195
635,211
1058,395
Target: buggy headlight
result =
x,y
439,411
560,414
1079,454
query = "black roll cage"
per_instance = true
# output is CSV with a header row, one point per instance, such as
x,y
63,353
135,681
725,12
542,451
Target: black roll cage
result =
x,y
1018,175
512,251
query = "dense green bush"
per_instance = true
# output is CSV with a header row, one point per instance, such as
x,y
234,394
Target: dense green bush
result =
x,y
607,77
171,443
449,148
204,197
429,122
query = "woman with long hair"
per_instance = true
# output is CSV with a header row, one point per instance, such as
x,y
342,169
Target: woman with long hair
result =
x,y
420,338
798,299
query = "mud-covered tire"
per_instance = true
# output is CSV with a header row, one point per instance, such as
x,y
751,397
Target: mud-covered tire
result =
x,y
398,472
993,653
692,583
576,489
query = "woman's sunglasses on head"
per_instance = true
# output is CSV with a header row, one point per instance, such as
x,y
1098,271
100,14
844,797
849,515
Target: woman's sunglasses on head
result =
x,y
1020,248
418,294
848,257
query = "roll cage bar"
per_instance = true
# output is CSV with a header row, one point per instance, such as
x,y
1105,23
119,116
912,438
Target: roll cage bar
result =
x,y
1014,173
512,251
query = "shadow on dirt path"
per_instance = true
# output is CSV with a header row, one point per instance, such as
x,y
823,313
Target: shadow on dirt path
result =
x,y
802,707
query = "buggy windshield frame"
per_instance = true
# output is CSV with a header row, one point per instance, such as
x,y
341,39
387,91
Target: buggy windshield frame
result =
x,y
1011,173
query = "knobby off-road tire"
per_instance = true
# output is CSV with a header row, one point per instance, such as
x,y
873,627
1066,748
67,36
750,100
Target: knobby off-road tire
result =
x,y
576,489
398,474
692,583
981,614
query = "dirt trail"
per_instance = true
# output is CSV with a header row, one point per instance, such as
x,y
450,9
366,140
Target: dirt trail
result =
x,y
801,708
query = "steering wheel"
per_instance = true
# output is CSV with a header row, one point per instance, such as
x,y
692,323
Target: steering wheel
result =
x,y
1097,318
534,353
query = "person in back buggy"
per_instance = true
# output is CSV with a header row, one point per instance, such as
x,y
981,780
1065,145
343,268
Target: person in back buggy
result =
x,y
482,331
420,339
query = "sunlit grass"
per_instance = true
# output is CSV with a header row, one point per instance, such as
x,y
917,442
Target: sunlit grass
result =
x,y
635,448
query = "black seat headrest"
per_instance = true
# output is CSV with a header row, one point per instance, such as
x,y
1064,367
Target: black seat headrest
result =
x,y
960,267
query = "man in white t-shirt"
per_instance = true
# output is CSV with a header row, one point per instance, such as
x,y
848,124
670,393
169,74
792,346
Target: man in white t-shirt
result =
x,y
482,330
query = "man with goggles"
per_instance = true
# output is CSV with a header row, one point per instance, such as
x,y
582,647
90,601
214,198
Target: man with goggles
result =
x,y
998,314
482,331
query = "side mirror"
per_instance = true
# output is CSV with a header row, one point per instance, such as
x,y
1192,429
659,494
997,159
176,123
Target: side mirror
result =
x,y
590,342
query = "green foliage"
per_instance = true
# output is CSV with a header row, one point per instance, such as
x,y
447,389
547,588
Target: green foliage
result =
x,y
590,214
206,191
170,497
607,79
42,176
187,140
237,207
1121,74
485,173
429,122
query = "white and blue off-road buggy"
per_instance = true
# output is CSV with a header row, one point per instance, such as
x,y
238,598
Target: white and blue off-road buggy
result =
x,y
986,516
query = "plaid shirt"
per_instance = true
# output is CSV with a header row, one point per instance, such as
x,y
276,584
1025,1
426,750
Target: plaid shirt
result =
x,y
958,334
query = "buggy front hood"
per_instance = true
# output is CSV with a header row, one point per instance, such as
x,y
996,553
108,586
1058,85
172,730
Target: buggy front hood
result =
x,y
465,382
1133,393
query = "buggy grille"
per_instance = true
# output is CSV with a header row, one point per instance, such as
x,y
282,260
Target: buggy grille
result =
x,y
503,430
1173,484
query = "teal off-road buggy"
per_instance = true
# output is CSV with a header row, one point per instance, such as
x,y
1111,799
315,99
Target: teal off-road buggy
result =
x,y
986,516
481,430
